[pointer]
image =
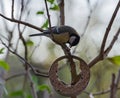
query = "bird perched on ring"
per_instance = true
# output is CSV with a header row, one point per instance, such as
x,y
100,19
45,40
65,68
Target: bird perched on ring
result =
x,y
61,35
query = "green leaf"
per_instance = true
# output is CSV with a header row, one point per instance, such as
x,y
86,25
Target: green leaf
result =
x,y
45,25
35,79
44,87
16,93
115,60
4,65
29,43
5,90
29,96
51,1
55,7
40,13
1,50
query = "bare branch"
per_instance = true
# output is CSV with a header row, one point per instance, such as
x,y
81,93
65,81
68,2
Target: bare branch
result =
x,y
113,87
94,61
48,13
88,21
20,33
112,43
62,15
112,90
100,93
32,85
21,30
22,22
15,75
89,16
108,29
36,72
118,78
12,11
99,57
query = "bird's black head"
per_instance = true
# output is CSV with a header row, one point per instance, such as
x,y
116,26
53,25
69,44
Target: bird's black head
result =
x,y
74,40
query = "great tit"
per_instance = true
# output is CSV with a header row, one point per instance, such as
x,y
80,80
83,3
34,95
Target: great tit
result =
x,y
61,35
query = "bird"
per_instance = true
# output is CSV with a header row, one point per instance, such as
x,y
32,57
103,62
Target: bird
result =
x,y
61,35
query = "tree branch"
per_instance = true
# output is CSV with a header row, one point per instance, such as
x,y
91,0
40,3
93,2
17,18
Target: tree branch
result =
x,y
22,22
100,93
112,42
99,57
48,13
62,12
108,29
113,90
36,72
12,11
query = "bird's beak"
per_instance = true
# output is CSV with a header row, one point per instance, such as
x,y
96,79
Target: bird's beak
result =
x,y
70,46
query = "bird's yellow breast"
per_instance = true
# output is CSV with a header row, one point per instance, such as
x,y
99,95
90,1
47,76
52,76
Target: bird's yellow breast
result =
x,y
61,38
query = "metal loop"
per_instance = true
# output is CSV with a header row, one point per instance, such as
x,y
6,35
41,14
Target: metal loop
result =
x,y
65,89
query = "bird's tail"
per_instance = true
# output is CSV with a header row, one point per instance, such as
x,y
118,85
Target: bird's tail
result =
x,y
45,33
39,34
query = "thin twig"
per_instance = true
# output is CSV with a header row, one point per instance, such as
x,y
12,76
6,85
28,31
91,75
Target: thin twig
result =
x,y
112,90
22,22
94,61
109,90
25,46
12,11
21,31
113,87
35,49
99,93
89,16
108,29
62,15
99,57
48,13
32,85
88,21
15,75
112,42
9,32
118,78
36,72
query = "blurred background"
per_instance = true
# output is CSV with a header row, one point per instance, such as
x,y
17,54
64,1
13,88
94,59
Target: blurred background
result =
x,y
89,17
